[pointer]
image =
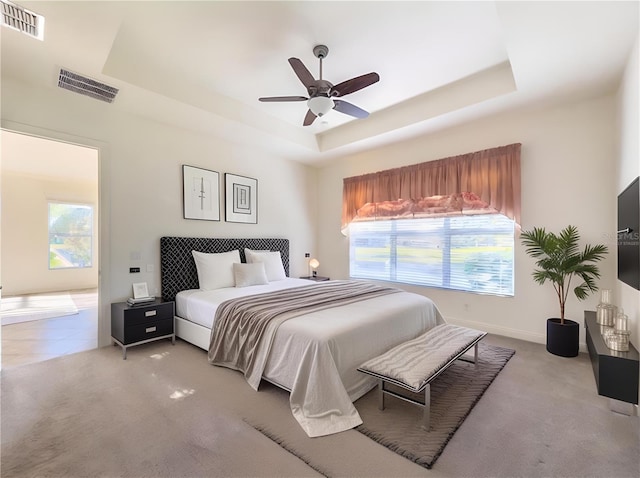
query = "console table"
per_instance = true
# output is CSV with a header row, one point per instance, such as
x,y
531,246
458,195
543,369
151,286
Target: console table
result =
x,y
616,373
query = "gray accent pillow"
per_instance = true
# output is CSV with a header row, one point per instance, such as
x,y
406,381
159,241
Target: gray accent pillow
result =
x,y
250,274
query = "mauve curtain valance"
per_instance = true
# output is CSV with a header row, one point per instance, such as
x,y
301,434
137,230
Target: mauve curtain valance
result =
x,y
492,174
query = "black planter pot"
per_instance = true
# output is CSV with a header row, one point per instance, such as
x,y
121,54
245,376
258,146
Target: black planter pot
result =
x,y
562,339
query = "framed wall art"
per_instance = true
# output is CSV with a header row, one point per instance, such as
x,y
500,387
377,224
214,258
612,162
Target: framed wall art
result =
x,y
241,196
201,190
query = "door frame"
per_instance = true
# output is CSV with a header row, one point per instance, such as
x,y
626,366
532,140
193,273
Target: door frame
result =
x,y
104,246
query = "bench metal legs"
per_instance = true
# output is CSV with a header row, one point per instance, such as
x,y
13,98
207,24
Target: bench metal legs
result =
x,y
475,355
426,414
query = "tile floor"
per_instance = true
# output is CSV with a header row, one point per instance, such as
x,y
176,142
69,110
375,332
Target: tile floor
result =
x,y
39,340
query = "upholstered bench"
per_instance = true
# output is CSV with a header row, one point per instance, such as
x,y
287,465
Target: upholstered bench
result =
x,y
413,365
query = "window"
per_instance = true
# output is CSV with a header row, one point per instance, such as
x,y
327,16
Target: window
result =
x,y
70,235
468,253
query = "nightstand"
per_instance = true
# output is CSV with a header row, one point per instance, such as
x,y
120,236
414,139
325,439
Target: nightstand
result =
x,y
316,278
138,324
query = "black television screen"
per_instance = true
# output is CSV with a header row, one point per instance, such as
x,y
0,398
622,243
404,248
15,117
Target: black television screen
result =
x,y
629,235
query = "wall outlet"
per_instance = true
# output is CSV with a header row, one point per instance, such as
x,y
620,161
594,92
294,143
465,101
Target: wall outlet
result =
x,y
150,268
307,254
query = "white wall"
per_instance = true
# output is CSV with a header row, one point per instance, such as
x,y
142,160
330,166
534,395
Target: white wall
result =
x,y
25,234
141,176
628,168
146,202
568,177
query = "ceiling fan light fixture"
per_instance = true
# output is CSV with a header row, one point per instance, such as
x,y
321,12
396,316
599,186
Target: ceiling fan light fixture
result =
x,y
320,105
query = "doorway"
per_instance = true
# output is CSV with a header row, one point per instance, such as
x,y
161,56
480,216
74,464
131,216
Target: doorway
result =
x,y
49,259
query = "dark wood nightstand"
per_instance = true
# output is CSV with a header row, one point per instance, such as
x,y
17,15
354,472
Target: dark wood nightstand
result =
x,y
138,324
316,278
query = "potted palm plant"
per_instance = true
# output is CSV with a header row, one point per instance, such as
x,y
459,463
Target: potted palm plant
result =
x,y
559,261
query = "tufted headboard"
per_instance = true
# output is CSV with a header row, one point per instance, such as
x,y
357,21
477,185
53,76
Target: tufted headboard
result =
x,y
178,269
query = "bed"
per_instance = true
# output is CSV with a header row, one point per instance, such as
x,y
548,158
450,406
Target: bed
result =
x,y
314,356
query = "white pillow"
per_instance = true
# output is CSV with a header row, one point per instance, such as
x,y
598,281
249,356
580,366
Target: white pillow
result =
x,y
250,254
215,271
249,274
272,265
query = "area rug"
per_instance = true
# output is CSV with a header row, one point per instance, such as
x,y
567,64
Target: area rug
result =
x,y
24,308
453,396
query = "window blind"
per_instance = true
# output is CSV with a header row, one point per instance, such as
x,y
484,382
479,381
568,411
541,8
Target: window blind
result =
x,y
467,253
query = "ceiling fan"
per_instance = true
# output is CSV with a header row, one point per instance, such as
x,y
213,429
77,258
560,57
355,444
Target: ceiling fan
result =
x,y
322,93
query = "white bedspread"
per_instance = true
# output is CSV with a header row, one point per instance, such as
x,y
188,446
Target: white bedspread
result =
x,y
315,356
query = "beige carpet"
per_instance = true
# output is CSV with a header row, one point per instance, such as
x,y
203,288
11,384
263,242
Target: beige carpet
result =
x,y
159,413
165,412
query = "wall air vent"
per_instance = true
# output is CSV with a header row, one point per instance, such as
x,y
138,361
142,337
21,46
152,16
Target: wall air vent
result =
x,y
21,19
86,86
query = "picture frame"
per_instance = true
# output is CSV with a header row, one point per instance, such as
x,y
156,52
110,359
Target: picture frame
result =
x,y
201,193
241,199
140,290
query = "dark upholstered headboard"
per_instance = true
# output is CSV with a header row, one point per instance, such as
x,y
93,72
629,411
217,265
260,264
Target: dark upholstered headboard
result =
x,y
178,269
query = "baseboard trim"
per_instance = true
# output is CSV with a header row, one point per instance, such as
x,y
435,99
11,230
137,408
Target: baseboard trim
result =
x,y
506,331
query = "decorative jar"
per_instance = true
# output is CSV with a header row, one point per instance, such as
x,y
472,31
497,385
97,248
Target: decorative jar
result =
x,y
605,311
619,342
621,323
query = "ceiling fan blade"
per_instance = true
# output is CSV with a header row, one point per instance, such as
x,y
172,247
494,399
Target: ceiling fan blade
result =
x,y
283,98
309,118
354,84
349,109
305,76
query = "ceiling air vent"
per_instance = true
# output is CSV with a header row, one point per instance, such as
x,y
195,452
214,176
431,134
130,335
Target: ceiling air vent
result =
x,y
86,86
21,19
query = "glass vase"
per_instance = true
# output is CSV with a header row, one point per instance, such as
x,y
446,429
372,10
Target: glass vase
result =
x,y
605,310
